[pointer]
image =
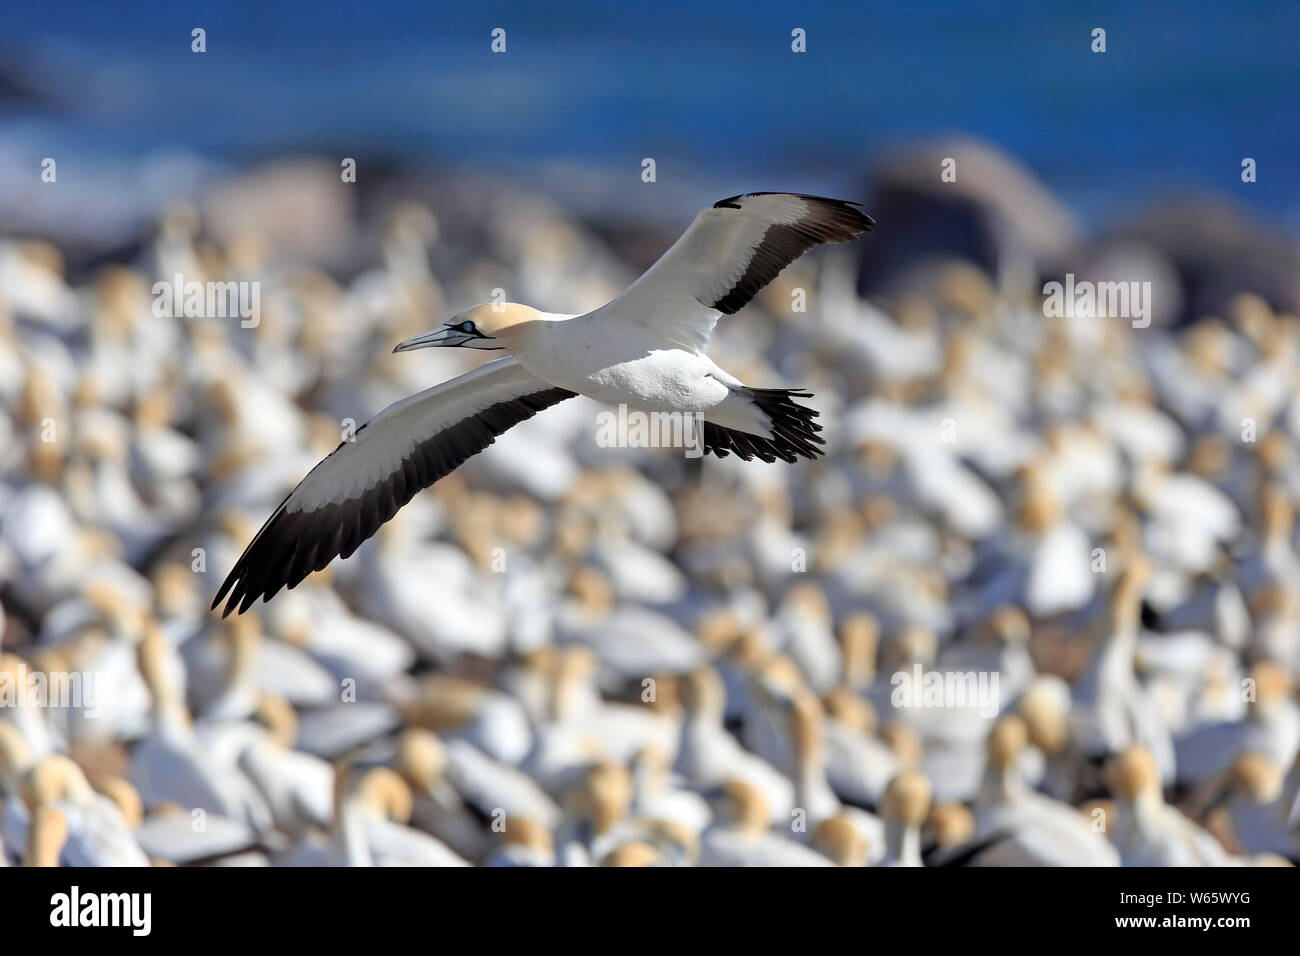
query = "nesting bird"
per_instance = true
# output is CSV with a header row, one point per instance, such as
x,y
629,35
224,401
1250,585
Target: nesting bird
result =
x,y
569,654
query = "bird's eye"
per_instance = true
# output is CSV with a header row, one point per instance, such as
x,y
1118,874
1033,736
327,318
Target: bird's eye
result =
x,y
467,327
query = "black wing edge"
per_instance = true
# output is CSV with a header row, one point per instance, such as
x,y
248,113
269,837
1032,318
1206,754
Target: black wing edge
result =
x,y
291,545
794,433
829,220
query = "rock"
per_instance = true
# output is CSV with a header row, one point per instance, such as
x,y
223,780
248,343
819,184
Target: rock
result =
x,y
994,214
1218,252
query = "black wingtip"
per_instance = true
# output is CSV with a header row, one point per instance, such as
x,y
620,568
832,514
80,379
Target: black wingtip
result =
x,y
231,580
794,432
232,603
731,200
847,205
220,594
225,612
294,544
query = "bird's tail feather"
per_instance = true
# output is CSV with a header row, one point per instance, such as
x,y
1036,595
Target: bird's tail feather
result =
x,y
793,430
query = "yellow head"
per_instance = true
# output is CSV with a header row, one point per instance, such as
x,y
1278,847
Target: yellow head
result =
x,y
493,326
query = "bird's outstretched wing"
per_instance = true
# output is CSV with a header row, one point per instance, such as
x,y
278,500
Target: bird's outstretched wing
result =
x,y
361,484
727,255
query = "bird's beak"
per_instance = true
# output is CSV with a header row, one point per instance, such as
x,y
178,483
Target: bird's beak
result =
x,y
444,336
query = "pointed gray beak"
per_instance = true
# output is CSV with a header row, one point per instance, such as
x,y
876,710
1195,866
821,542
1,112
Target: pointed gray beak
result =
x,y
444,336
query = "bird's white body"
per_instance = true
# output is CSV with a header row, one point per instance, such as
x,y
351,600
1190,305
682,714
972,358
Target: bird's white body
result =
x,y
1149,832
644,351
1041,832
640,367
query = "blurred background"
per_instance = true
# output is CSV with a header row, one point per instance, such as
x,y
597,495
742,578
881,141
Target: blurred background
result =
x,y
570,654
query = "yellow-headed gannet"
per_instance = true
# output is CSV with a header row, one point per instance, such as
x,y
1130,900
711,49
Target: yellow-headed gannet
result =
x,y
645,350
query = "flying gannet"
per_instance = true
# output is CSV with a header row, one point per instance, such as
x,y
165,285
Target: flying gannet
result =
x,y
645,350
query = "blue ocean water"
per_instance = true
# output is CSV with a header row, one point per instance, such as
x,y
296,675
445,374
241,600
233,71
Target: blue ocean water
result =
x,y
711,90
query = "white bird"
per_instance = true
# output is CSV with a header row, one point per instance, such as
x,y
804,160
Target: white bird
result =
x,y
638,573
371,811
1146,830
461,615
1038,831
598,823
96,832
858,765
1045,709
1189,518
905,807
813,793
457,708
298,787
802,628
1042,563
347,646
168,766
644,350
439,809
491,786
47,836
629,639
27,727
742,838
1002,647
16,757
655,795
1111,709
581,721
1254,798
526,843
710,755
1271,727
